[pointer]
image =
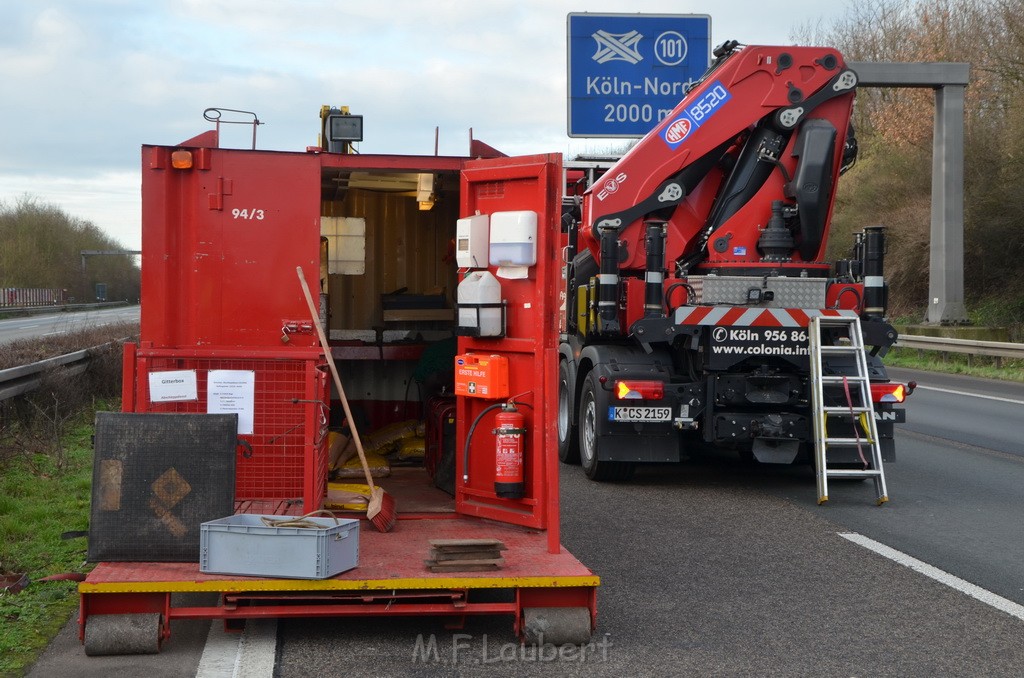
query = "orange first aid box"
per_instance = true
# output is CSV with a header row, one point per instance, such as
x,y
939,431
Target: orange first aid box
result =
x,y
481,376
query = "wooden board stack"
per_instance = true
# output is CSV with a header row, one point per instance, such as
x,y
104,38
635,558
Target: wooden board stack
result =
x,y
465,555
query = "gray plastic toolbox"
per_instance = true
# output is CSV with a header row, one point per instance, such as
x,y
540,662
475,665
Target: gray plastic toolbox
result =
x,y
243,544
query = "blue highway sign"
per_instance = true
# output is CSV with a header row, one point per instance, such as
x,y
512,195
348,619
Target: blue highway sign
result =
x,y
628,71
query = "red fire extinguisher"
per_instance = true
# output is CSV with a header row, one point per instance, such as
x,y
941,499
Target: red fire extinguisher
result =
x,y
508,453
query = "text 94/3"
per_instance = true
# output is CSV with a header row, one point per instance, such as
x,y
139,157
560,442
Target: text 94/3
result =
x,y
250,214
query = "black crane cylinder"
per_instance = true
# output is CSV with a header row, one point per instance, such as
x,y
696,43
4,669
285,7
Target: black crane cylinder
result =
x,y
608,282
654,277
873,255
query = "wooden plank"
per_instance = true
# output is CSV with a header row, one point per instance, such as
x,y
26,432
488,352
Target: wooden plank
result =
x,y
476,554
467,563
455,543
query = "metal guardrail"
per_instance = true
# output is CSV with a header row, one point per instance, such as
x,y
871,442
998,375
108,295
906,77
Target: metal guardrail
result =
x,y
997,349
30,310
15,381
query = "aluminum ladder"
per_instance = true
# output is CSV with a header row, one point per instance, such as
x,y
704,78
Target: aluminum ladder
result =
x,y
852,389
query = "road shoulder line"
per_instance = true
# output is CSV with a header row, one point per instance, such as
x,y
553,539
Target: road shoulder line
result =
x,y
983,595
969,394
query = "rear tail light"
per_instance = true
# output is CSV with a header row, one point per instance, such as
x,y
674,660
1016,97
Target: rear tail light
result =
x,y
639,390
889,393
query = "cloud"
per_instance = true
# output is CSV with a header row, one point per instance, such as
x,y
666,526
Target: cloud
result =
x,y
110,200
86,83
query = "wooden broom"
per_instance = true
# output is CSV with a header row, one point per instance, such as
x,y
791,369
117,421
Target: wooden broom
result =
x,y
382,511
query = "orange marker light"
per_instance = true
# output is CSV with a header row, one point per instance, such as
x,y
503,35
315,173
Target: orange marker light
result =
x,y
181,159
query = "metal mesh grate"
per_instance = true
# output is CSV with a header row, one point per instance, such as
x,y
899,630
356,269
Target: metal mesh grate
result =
x,y
285,456
155,480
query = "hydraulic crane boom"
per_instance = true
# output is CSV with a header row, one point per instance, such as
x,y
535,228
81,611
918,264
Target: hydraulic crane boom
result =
x,y
763,122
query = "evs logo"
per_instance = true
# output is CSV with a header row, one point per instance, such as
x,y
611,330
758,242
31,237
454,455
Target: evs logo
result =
x,y
611,186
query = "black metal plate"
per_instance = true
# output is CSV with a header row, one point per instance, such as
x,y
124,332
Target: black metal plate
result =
x,y
156,478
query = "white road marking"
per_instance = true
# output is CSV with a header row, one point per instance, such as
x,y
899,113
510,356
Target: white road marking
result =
x,y
985,596
220,653
249,654
974,395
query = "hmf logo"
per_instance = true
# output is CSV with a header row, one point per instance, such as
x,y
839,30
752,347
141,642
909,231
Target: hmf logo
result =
x,y
678,131
611,186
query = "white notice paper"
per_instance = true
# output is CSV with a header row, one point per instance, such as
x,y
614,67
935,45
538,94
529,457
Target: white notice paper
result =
x,y
172,386
232,391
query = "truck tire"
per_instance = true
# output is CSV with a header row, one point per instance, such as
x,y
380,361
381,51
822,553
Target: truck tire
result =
x,y
568,445
590,443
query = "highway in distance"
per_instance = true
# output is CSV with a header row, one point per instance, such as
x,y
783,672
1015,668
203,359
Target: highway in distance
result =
x,y
49,324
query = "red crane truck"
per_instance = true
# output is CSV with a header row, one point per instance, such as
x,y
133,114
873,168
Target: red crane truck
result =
x,y
695,263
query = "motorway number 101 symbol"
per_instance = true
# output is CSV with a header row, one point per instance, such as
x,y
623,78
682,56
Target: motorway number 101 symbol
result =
x,y
670,48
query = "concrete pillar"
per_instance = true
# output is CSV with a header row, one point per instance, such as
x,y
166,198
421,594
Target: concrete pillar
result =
x,y
946,262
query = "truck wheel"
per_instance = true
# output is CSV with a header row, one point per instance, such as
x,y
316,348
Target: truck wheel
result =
x,y
590,442
568,446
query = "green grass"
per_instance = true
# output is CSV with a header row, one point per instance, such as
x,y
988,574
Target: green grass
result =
x,y
39,502
956,363
1005,310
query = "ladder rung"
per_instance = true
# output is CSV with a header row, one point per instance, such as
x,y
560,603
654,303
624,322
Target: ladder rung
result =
x,y
852,473
840,349
856,409
830,379
847,441
836,322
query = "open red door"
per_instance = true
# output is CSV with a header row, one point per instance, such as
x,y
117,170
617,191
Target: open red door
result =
x,y
507,363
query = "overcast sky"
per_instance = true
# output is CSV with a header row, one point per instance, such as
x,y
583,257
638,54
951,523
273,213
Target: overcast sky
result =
x,y
87,82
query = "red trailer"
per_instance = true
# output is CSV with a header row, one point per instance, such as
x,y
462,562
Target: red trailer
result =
x,y
223,232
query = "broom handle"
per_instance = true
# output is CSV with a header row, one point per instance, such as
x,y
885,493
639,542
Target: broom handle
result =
x,y
337,379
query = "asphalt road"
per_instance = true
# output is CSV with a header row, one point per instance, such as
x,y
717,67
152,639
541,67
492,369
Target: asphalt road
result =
x,y
958,485
722,568
49,324
982,413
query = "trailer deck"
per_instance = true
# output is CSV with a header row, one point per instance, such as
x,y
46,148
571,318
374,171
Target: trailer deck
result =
x,y
391,577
